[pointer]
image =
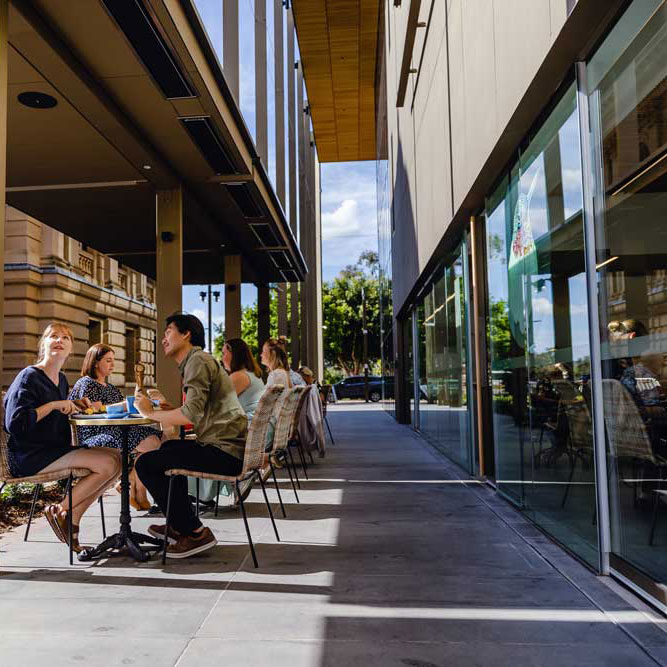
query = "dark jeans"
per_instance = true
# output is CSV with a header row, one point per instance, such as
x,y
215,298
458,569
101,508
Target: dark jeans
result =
x,y
190,455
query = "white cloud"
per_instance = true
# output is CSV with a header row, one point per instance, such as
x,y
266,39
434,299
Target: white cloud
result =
x,y
341,222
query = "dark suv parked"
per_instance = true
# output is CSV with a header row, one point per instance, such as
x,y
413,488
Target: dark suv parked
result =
x,y
353,387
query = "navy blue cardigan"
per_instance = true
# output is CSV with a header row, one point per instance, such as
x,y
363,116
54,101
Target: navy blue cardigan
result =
x,y
33,444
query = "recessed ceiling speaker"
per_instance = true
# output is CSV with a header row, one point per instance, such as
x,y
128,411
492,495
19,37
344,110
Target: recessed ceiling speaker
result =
x,y
36,100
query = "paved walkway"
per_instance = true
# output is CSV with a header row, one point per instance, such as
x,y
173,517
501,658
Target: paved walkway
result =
x,y
390,559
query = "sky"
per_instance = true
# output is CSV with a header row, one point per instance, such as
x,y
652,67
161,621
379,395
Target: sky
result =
x,y
348,188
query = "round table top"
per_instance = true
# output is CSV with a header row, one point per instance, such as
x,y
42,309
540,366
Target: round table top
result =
x,y
123,421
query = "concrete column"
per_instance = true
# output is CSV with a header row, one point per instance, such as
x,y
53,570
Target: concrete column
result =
x,y
4,20
230,46
317,343
279,77
232,296
303,210
169,283
262,135
263,314
292,160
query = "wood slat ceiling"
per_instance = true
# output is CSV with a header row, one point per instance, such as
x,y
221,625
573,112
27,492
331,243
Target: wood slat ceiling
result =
x,y
338,43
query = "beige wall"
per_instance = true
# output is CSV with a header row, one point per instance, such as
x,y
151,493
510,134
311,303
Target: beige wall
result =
x,y
474,62
49,276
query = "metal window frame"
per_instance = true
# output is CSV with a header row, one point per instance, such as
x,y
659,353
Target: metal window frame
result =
x,y
590,173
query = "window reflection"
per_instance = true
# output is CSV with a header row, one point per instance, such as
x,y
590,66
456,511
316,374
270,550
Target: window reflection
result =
x,y
629,109
538,334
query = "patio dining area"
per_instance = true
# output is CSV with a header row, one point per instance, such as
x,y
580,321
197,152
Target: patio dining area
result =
x,y
392,557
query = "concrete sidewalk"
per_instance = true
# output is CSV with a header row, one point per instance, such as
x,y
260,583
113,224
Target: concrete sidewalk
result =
x,y
390,559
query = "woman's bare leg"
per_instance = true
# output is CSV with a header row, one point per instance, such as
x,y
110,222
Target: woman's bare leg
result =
x,y
138,490
104,466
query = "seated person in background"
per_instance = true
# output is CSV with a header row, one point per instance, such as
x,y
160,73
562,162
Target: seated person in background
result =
x,y
244,373
40,440
307,375
294,376
98,365
246,376
212,407
274,358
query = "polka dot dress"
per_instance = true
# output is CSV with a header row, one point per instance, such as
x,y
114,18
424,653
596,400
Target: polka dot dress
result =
x,y
106,436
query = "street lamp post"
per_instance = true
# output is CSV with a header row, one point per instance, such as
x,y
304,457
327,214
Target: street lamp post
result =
x,y
211,295
365,332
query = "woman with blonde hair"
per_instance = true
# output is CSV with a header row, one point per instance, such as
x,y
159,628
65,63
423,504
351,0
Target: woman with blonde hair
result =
x,y
36,412
274,358
98,365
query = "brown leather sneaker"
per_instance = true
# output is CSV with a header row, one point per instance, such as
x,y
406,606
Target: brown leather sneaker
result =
x,y
158,533
189,545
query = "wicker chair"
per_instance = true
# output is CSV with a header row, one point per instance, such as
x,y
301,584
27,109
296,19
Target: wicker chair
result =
x,y
285,425
254,460
39,479
289,438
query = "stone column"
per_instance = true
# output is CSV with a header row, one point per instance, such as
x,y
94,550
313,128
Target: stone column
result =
x,y
262,135
4,21
292,159
263,314
169,283
230,46
232,296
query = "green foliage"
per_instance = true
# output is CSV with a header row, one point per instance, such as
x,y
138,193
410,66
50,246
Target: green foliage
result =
x,y
342,307
499,330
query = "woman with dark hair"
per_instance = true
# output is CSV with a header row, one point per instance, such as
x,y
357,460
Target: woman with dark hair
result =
x,y
94,385
244,372
40,441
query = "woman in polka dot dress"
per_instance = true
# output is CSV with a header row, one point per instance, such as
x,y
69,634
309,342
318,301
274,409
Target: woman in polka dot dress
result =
x,y
98,365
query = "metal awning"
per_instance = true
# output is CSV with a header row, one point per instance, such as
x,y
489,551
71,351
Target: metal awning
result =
x,y
141,105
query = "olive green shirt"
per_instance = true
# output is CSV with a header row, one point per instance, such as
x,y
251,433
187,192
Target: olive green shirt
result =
x,y
211,404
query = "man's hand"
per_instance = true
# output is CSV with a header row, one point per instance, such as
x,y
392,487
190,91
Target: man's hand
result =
x,y
144,405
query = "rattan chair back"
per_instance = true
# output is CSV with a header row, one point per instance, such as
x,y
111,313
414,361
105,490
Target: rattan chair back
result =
x,y
5,471
254,455
284,425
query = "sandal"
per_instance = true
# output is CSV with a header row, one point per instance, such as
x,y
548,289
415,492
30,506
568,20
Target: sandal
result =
x,y
51,514
63,523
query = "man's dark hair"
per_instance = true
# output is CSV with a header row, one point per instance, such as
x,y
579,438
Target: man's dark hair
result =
x,y
184,323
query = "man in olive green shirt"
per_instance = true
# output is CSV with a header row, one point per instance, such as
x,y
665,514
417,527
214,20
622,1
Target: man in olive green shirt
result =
x,y
219,421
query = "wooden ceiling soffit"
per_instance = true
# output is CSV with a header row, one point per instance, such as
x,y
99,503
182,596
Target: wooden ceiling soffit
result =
x,y
338,46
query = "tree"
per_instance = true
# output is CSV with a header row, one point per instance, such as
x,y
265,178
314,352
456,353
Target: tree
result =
x,y
342,315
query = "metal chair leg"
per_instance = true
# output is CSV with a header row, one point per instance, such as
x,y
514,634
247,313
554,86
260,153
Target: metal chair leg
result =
x,y
166,522
35,497
197,505
217,499
302,456
268,505
247,527
275,481
654,521
291,479
104,528
326,421
69,520
291,458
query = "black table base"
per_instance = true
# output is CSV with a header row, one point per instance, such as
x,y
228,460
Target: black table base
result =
x,y
125,541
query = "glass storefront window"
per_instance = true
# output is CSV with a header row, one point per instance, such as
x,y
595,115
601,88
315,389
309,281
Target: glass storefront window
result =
x,y
538,335
444,417
627,78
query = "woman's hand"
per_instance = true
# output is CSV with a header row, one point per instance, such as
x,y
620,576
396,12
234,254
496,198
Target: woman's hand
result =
x,y
96,405
82,403
65,407
144,405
